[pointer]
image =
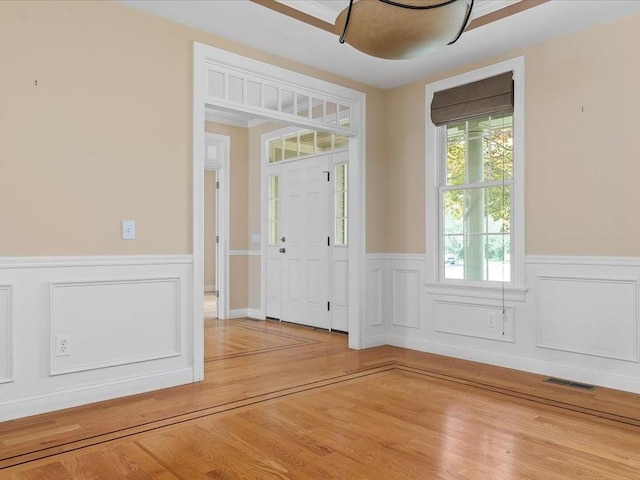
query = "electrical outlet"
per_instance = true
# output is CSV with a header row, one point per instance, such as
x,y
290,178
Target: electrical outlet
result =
x,y
63,346
491,320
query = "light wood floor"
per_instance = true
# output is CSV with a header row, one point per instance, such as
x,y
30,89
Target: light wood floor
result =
x,y
287,402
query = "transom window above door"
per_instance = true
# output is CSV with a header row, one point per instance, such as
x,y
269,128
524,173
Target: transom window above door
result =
x,y
303,143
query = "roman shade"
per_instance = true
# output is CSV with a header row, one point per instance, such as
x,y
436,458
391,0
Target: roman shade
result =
x,y
484,97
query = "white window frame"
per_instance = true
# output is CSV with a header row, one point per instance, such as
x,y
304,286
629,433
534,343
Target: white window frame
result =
x,y
435,145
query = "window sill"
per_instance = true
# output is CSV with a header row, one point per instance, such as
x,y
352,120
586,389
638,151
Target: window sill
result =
x,y
493,292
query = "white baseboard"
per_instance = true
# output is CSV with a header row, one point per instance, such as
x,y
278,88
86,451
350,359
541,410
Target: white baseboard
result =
x,y
76,396
256,314
209,288
375,341
581,374
238,313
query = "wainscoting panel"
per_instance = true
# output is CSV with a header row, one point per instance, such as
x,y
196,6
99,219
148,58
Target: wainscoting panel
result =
x,y
126,323
376,300
406,297
6,335
340,295
574,317
474,320
591,316
114,322
375,297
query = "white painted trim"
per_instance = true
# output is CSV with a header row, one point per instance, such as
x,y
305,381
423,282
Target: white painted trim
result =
x,y
357,179
256,314
433,240
238,313
223,206
9,353
593,376
495,292
247,253
73,397
198,149
315,9
375,341
485,7
93,261
399,257
598,261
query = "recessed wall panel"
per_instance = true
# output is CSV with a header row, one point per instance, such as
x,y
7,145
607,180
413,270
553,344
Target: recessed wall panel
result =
x,y
113,322
406,298
589,316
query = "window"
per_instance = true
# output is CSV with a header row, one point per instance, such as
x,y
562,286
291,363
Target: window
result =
x,y
475,198
305,142
273,209
475,182
341,207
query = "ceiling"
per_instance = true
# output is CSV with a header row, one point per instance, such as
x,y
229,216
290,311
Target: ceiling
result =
x,y
252,24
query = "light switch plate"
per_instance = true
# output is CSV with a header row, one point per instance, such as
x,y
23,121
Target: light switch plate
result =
x,y
128,229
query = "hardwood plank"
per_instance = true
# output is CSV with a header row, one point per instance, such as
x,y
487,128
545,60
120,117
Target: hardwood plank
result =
x,y
284,401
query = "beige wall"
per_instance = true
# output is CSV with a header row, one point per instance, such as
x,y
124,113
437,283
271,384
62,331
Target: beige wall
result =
x,y
106,134
581,166
210,229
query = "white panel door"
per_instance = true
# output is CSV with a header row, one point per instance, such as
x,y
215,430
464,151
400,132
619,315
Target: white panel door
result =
x,y
304,236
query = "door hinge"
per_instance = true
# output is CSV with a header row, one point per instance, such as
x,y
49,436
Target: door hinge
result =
x,y
328,175
328,306
328,241
217,184
217,238
217,293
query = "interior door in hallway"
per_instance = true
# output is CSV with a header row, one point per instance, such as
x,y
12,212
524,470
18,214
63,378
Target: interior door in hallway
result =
x,y
303,242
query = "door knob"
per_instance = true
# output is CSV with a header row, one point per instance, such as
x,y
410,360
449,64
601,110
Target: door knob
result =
x,y
282,250
283,239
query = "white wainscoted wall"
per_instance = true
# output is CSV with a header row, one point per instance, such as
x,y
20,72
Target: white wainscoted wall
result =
x,y
578,318
127,322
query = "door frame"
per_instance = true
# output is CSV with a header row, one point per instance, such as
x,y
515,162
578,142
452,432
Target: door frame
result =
x,y
222,143
206,57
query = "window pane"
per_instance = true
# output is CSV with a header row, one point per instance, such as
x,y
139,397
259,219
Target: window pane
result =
x,y
344,114
291,146
286,101
498,210
275,150
456,154
340,142
307,143
331,112
340,203
453,201
498,149
499,257
323,142
341,232
302,106
273,210
317,110
453,256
